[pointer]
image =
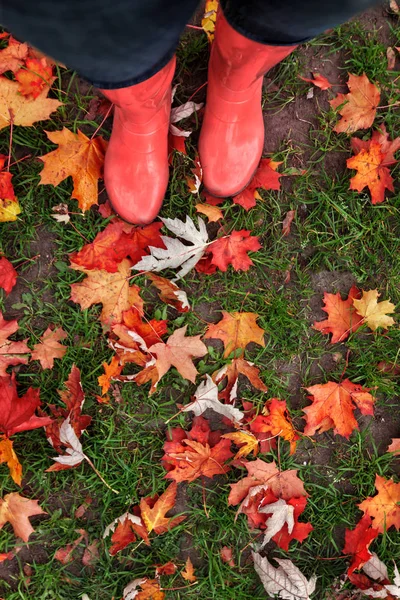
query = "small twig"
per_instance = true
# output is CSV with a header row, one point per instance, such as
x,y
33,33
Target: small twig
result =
x,y
100,475
204,500
345,366
101,124
20,160
194,27
11,137
198,89
389,105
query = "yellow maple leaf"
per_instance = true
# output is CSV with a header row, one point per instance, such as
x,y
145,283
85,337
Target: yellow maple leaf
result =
x,y
9,209
247,441
210,17
7,455
79,157
19,110
374,312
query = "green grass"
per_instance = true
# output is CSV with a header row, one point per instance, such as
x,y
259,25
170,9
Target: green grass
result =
x,y
335,231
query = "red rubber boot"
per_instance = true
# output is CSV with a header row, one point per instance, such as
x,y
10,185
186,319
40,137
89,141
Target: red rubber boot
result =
x,y
136,165
232,135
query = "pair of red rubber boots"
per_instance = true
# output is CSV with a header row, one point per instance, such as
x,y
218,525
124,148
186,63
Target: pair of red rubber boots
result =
x,y
136,167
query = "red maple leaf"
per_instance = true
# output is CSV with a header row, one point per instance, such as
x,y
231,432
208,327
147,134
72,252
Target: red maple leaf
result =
x,y
357,542
8,275
266,177
233,249
18,413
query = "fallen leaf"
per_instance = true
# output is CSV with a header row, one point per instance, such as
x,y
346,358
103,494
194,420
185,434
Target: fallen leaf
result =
x,y
116,242
209,18
286,581
9,210
394,446
12,58
124,530
319,81
73,454
375,568
170,293
8,275
61,213
49,347
391,58
374,312
384,507
357,542
178,351
226,555
380,136
371,173
153,511
76,156
110,289
206,397
176,254
300,531
91,554
233,250
34,77
150,590
360,105
281,514
246,441
19,110
188,572
18,413
266,178
287,222
168,569
213,213
342,316
7,455
236,330
65,555
276,421
16,510
333,406
231,371
183,112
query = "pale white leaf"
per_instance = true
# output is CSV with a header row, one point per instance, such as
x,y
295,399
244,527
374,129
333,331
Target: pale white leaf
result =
x,y
111,527
182,297
374,594
206,396
139,340
173,92
184,110
286,581
395,589
61,218
85,597
282,513
74,452
130,591
176,254
375,568
310,94
174,130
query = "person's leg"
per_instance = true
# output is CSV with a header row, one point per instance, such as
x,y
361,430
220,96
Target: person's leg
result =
x,y
126,48
252,37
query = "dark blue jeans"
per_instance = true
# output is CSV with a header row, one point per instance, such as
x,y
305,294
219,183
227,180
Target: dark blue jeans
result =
x,y
118,43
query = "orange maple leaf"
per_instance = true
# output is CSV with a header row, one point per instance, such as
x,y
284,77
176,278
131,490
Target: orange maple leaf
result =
x,y
16,510
213,213
361,104
178,351
125,528
194,459
188,572
384,507
34,77
246,441
381,137
334,405
12,58
49,347
276,421
110,371
231,371
236,330
7,455
79,157
319,81
170,293
232,250
19,110
153,511
342,316
371,173
150,590
394,446
112,290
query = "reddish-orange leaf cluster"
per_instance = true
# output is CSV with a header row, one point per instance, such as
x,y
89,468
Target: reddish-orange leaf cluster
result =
x,y
342,316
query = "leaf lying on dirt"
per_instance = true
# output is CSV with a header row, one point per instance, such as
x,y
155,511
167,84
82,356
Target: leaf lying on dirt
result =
x,y
150,590
49,347
374,313
188,571
360,105
342,316
206,396
34,77
236,330
176,253
76,156
8,275
266,178
20,110
124,530
384,507
334,405
7,455
170,293
18,413
110,289
357,542
233,250
16,510
285,581
178,351
394,446
319,81
153,511
231,371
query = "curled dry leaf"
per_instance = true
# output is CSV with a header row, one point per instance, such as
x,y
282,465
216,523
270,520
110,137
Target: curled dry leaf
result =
x,y
16,510
360,105
236,330
206,397
287,222
209,18
76,156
